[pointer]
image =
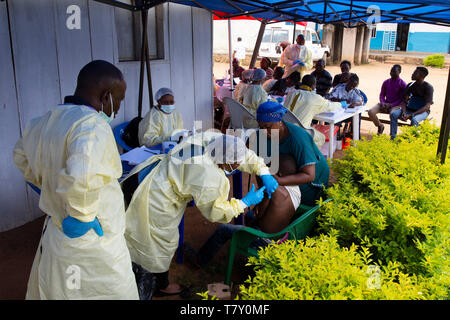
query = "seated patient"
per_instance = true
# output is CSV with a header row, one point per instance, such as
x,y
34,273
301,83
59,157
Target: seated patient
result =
x,y
270,216
160,122
275,214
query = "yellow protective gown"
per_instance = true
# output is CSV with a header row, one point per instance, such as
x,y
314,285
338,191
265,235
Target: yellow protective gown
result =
x,y
305,105
159,202
157,126
253,97
71,155
292,53
239,91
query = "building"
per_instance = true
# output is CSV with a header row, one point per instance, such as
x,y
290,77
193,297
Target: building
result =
x,y
44,44
417,37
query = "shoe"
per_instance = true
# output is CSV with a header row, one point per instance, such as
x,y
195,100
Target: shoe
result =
x,y
380,129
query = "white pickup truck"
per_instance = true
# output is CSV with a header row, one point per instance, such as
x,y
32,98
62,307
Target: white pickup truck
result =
x,y
273,36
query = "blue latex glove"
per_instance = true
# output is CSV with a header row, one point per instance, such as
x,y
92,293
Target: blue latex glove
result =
x,y
297,62
270,183
279,99
344,104
253,197
74,228
302,64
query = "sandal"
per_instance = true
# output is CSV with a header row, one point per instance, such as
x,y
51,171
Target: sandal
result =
x,y
161,293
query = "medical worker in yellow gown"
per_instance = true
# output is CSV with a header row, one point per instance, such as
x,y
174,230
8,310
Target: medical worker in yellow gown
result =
x,y
305,104
71,155
196,169
161,121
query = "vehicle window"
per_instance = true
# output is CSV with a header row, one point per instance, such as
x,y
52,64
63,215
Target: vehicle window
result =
x,y
280,36
267,36
315,38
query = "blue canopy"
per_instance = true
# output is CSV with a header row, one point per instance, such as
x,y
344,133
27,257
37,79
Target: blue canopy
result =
x,y
350,13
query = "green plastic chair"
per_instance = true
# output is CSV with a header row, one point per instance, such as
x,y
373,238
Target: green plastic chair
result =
x,y
297,230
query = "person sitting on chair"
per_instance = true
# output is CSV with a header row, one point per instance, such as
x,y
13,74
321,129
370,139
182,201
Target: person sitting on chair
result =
x,y
418,99
348,94
344,75
160,122
285,85
323,78
266,64
239,90
254,95
277,75
305,104
391,96
270,216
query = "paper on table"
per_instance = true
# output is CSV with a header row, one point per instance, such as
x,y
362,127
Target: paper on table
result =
x,y
352,110
138,155
332,113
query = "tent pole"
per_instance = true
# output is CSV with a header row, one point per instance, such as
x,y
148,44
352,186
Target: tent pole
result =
x,y
257,44
144,15
230,55
149,73
293,35
445,125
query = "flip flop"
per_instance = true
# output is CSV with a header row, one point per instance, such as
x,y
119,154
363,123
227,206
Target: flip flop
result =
x,y
160,293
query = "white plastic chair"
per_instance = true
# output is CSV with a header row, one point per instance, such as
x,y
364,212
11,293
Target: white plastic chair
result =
x,y
292,118
240,117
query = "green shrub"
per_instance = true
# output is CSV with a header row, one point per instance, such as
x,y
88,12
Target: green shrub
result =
x,y
318,268
393,198
435,60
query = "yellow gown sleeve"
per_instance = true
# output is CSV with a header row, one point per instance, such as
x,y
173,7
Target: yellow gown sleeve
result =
x,y
253,164
211,197
308,59
150,129
89,167
21,162
156,128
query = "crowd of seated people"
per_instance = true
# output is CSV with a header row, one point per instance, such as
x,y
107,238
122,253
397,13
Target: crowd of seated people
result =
x,y
397,99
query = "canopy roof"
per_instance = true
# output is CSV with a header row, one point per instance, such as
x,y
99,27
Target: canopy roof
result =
x,y
348,12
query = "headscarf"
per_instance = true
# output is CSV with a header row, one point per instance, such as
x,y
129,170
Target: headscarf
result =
x,y
270,111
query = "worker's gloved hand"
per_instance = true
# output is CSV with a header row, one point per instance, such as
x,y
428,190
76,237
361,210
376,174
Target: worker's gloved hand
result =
x,y
270,183
301,64
279,99
344,104
74,228
297,61
253,197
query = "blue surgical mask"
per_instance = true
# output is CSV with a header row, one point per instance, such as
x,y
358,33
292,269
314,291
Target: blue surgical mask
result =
x,y
168,108
104,115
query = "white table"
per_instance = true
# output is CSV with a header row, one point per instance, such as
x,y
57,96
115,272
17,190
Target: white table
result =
x,y
334,117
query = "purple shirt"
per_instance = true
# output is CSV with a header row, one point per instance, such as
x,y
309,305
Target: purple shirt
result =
x,y
392,91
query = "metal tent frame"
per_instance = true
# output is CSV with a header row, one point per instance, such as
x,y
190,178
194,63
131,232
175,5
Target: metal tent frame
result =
x,y
351,14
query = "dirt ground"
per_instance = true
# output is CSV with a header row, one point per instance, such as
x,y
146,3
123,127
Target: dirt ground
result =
x,y
18,246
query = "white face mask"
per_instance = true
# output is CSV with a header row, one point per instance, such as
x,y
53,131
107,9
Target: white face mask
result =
x,y
104,115
168,108
229,173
